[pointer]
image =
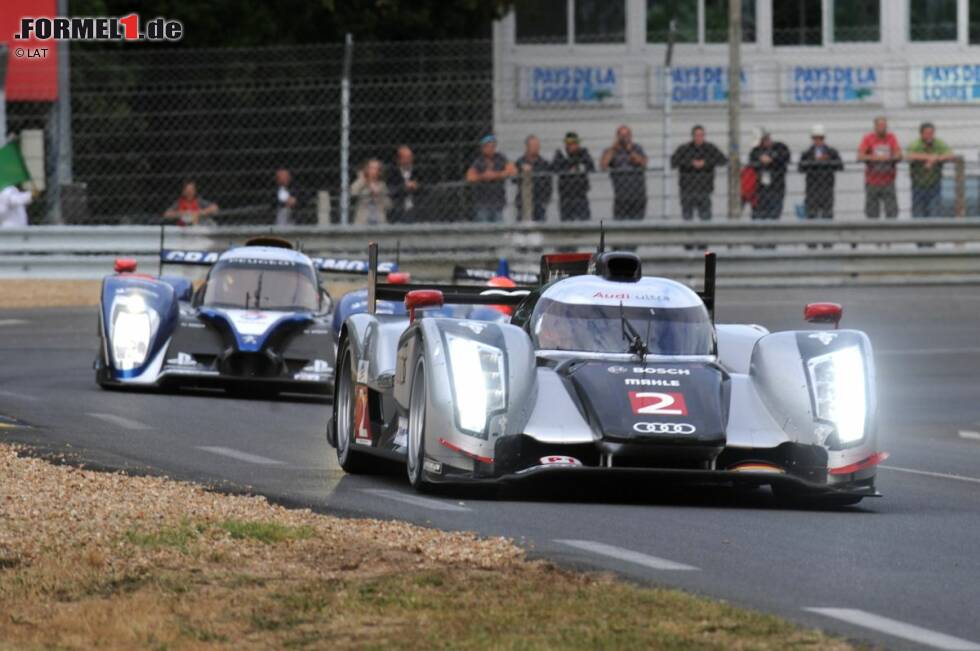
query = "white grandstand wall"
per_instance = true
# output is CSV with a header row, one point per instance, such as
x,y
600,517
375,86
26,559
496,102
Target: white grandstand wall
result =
x,y
893,56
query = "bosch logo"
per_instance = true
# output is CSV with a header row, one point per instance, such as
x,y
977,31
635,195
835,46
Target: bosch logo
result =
x,y
664,428
647,370
618,370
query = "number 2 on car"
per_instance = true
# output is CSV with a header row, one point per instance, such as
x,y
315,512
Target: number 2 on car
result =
x,y
662,404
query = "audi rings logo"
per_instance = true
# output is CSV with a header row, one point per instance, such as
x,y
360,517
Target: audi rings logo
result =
x,y
664,428
618,370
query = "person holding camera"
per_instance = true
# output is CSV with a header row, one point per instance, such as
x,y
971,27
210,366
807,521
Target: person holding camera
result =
x,y
626,162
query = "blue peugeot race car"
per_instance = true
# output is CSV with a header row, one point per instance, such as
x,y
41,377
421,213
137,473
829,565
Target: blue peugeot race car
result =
x,y
259,323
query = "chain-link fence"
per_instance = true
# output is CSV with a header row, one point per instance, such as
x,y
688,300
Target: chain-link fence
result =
x,y
261,133
146,122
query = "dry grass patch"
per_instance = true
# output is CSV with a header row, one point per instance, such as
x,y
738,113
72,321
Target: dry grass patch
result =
x,y
104,560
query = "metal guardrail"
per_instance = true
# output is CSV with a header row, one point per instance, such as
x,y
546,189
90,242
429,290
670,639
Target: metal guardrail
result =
x,y
750,253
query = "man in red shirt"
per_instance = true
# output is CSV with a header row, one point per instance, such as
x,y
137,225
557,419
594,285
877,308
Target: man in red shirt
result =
x,y
880,152
190,207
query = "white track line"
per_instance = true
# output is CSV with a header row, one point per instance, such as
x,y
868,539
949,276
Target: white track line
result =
x,y
10,322
926,473
241,456
415,500
627,555
17,396
896,628
121,421
971,436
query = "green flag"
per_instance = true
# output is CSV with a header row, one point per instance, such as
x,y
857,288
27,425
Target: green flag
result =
x,y
13,171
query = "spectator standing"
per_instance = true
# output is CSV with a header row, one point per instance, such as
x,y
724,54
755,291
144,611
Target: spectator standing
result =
x,y
370,195
696,162
880,152
769,159
190,208
531,162
285,197
403,187
926,157
13,202
487,175
626,162
573,166
819,163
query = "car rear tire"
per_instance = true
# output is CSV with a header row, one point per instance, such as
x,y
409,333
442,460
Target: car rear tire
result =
x,y
351,461
415,459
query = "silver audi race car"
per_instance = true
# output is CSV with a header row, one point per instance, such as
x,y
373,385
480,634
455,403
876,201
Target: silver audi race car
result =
x,y
603,370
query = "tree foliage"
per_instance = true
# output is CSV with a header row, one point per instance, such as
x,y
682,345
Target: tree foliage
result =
x,y
264,22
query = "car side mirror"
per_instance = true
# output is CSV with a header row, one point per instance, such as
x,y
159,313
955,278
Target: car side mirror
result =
x,y
422,298
124,265
823,313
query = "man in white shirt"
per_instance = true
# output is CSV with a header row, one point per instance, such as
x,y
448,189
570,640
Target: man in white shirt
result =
x,y
285,199
12,207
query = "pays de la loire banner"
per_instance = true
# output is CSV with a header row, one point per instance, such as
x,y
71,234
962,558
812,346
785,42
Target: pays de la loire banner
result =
x,y
945,84
545,86
831,85
693,86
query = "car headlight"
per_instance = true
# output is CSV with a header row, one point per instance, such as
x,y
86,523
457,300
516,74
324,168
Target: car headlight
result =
x,y
133,325
478,382
839,391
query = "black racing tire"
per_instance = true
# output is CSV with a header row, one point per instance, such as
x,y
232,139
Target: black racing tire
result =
x,y
351,461
102,370
415,458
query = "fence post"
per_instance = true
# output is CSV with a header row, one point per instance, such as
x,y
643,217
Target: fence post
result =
x,y
527,195
959,207
734,106
345,132
668,86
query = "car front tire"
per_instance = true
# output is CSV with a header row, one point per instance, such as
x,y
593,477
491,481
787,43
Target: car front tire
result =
x,y
415,460
350,460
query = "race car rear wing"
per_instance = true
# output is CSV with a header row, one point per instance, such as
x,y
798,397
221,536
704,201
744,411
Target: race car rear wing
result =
x,y
458,294
476,295
470,273
324,265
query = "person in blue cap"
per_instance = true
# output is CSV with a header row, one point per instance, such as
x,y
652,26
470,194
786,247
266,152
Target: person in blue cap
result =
x,y
487,175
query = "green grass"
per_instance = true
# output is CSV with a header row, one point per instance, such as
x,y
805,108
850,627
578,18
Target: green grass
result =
x,y
186,534
267,532
180,537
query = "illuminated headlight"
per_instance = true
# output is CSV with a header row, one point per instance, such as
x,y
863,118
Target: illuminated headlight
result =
x,y
839,394
133,325
478,382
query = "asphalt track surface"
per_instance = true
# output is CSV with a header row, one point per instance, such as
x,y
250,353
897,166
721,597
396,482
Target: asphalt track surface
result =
x,y
902,571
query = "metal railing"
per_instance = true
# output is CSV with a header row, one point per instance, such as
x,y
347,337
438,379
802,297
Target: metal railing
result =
x,y
802,253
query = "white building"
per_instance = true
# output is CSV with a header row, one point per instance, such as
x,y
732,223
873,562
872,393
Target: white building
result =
x,y
589,65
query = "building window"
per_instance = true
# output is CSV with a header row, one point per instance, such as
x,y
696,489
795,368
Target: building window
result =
x,y
541,21
798,22
974,18
716,21
857,20
932,20
660,13
600,21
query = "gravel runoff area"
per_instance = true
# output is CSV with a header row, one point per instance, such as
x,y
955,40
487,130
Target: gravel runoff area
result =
x,y
94,559
28,293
